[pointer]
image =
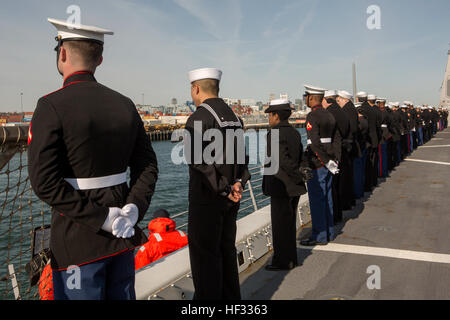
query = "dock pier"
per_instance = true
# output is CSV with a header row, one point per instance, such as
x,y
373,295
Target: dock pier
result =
x,y
165,134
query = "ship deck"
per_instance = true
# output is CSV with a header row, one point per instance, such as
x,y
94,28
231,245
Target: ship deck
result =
x,y
400,230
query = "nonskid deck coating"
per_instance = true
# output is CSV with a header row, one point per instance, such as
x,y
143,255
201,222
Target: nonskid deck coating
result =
x,y
408,214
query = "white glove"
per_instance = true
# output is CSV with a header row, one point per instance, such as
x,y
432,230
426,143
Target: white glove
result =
x,y
122,227
332,167
112,215
119,224
132,212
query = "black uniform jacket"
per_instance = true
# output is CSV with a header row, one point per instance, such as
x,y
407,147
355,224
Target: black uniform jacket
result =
x,y
385,125
404,123
288,181
352,115
434,115
395,127
209,182
363,125
426,115
379,123
343,125
374,118
412,118
320,124
419,119
86,130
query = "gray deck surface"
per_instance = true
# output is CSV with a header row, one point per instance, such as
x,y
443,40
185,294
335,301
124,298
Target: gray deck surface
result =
x,y
410,210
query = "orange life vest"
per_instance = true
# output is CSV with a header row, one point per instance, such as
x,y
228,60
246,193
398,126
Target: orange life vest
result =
x,y
162,240
46,284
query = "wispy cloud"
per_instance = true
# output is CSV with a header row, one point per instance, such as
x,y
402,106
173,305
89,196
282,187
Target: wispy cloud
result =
x,y
211,15
285,45
223,21
273,29
263,46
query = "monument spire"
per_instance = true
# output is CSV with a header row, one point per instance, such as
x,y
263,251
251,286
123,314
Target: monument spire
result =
x,y
445,90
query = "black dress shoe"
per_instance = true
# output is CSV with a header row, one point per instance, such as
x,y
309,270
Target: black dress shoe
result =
x,y
312,243
271,267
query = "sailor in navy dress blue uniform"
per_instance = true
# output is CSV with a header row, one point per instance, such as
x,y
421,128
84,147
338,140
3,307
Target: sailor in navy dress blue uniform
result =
x,y
324,147
284,185
215,189
83,137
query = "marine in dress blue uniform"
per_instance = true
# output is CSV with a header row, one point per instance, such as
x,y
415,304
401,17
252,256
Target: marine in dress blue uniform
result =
x,y
419,125
323,150
386,136
426,115
405,131
360,162
342,191
83,138
413,124
374,136
352,145
411,127
395,130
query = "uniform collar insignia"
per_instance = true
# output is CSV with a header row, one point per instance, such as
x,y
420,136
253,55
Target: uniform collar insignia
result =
x,y
79,76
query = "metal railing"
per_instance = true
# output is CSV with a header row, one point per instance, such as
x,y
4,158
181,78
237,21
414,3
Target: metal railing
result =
x,y
22,214
248,196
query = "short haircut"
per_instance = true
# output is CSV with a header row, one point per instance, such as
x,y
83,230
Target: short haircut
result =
x,y
283,114
317,97
87,53
209,86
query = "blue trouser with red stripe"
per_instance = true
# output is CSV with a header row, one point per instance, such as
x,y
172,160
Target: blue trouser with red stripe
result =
x,y
411,143
419,136
321,205
110,278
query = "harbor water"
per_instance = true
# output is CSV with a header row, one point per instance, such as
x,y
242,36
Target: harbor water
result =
x,y
21,211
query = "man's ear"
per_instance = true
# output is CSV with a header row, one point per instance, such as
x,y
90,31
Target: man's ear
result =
x,y
276,116
63,54
196,89
100,61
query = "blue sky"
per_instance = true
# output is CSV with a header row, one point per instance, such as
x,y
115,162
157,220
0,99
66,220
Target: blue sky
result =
x,y
262,47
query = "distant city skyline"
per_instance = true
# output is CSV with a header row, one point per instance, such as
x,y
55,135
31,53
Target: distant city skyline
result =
x,y
261,46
